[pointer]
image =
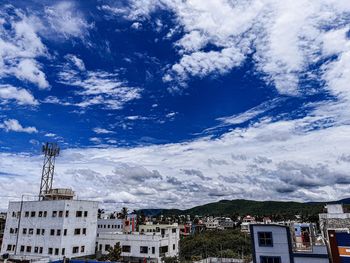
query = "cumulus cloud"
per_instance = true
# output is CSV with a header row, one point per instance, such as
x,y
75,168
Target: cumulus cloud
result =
x,y
102,131
19,95
13,125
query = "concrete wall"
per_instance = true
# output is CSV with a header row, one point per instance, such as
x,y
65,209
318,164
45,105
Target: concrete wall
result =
x,y
46,240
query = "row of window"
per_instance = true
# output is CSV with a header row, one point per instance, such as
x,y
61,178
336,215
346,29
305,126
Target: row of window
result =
x,y
53,232
109,226
54,213
50,250
143,249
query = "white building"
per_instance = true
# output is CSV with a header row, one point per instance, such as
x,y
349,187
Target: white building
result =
x,y
50,229
107,225
153,243
211,223
278,243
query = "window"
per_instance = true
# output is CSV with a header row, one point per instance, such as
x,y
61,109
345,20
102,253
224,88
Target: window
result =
x,y
54,213
22,248
65,232
265,259
9,247
24,231
67,213
126,248
63,251
107,247
84,231
85,213
40,250
29,249
143,250
153,250
12,230
100,247
13,214
26,214
173,246
38,231
109,226
45,213
31,231
50,251
265,239
60,214
52,232
32,214
79,214
77,231
163,249
82,249
36,249
58,232
40,214
75,250
42,232
57,251
174,230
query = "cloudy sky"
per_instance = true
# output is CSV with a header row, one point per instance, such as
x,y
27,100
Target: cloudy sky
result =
x,y
175,103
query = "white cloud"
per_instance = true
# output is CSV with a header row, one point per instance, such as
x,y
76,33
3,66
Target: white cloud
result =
x,y
95,140
50,135
13,125
65,19
76,61
102,131
21,96
99,88
20,46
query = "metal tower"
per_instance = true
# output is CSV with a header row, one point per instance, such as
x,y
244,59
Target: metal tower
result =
x,y
50,150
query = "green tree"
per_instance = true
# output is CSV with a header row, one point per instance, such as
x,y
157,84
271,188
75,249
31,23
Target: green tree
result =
x,y
114,253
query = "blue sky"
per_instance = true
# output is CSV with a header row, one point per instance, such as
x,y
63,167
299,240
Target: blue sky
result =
x,y
156,100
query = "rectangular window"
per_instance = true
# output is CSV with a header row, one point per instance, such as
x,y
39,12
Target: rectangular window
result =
x,y
57,251
82,249
153,250
42,232
60,214
32,214
40,250
63,251
100,247
58,232
50,251
107,247
54,213
12,230
38,231
265,239
45,213
143,250
36,249
29,249
84,231
173,246
85,213
75,250
67,213
31,231
266,259
24,231
77,231
126,248
26,214
40,214
22,248
65,232
9,247
52,232
79,214
174,230
13,214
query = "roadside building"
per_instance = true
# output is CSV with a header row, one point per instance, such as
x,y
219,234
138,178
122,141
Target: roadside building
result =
x,y
274,243
226,223
57,226
247,220
150,244
211,223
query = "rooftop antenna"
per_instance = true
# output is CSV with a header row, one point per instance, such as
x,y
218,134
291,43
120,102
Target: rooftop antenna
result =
x,y
50,151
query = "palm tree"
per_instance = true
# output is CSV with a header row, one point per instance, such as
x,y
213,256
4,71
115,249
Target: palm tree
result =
x,y
114,254
124,212
100,212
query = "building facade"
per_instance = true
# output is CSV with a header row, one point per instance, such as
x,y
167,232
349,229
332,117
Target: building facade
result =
x,y
50,229
279,244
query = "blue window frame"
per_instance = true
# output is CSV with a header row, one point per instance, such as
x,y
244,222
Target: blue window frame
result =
x,y
268,259
265,239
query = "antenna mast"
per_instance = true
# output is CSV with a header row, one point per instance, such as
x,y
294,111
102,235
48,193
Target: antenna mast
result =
x,y
50,151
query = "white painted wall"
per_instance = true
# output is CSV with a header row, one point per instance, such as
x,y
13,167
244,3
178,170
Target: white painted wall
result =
x,y
49,222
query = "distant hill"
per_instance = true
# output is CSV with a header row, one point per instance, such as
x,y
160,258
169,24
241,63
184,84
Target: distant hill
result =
x,y
244,207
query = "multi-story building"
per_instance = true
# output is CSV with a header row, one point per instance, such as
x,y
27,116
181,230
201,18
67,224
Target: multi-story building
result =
x,y
273,243
56,227
108,224
151,244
